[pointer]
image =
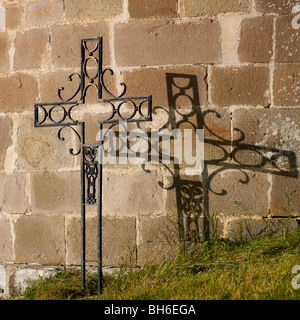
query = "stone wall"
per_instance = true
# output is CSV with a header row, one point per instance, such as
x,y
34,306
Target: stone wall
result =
x,y
241,63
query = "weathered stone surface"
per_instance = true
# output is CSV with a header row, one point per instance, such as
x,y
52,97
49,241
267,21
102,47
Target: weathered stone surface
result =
x,y
5,138
183,193
287,40
285,199
5,240
147,9
267,139
13,198
44,11
92,120
18,92
55,192
238,192
286,85
73,240
249,229
66,39
13,16
247,85
163,84
158,42
39,239
275,6
40,148
195,8
133,192
256,44
23,277
230,31
118,236
2,17
157,238
52,81
217,133
4,283
29,49
4,53
92,9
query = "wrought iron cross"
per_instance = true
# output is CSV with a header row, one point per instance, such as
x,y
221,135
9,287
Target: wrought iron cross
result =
x,y
45,115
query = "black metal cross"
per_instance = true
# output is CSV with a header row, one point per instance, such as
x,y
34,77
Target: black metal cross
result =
x,y
59,114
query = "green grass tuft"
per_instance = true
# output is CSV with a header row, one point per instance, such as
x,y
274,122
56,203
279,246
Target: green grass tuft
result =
x,y
259,269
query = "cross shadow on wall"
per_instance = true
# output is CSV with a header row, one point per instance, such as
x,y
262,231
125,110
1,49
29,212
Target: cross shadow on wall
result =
x,y
196,220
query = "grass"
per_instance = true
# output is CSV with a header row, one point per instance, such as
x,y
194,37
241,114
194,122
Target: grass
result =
x,y
260,269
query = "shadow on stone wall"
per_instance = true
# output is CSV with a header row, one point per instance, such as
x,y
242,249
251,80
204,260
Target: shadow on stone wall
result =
x,y
231,153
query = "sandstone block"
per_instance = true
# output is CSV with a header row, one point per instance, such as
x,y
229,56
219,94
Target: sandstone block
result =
x,y
216,125
131,193
178,102
29,49
24,276
55,192
286,86
164,84
14,15
247,229
195,8
52,81
4,53
158,42
18,92
92,9
2,17
275,6
247,85
256,40
183,194
5,240
157,238
285,200
40,148
39,239
43,12
155,8
66,39
118,240
267,139
287,40
13,198
5,138
230,30
238,192
92,119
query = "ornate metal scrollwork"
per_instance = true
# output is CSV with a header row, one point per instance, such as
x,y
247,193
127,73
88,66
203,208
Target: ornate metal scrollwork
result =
x,y
76,92
71,150
59,114
91,172
122,84
44,114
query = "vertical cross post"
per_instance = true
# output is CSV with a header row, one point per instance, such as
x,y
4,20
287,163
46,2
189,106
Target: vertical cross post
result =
x,y
60,114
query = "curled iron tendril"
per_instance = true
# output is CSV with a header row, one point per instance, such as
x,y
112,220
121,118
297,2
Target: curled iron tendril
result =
x,y
71,150
122,84
76,92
